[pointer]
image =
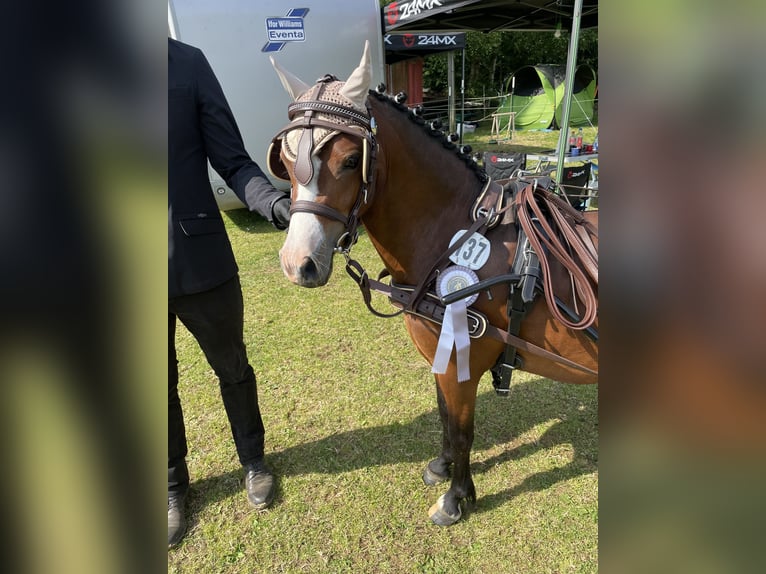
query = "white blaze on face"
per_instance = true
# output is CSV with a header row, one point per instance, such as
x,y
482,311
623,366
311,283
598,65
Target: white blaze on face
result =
x,y
306,237
307,240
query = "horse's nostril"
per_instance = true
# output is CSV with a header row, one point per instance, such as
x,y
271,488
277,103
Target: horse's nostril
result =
x,y
309,269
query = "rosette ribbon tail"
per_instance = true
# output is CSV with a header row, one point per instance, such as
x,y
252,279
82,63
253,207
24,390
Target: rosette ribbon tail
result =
x,y
454,334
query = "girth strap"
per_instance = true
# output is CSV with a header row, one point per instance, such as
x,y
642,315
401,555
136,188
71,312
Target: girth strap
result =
x,y
526,265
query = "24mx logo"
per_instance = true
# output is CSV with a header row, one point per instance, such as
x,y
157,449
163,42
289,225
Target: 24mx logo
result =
x,y
424,40
412,40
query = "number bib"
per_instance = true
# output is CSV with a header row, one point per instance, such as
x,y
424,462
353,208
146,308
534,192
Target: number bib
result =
x,y
474,253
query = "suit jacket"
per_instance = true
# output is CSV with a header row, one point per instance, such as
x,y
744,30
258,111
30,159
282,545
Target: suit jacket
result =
x,y
201,126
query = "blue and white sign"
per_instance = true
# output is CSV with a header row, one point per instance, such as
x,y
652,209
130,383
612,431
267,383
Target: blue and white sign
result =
x,y
283,29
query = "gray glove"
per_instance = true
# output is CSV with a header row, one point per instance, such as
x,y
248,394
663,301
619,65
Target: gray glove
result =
x,y
281,212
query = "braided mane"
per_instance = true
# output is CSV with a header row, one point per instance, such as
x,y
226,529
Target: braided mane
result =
x,y
432,128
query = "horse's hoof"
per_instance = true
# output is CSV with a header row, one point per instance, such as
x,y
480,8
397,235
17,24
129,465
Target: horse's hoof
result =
x,y
441,517
432,479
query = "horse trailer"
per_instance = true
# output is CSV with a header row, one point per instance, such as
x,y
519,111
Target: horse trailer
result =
x,y
310,37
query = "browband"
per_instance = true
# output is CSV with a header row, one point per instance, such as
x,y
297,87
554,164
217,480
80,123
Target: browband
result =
x,y
330,109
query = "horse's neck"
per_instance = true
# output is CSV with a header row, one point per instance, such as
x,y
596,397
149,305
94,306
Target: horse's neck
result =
x,y
422,197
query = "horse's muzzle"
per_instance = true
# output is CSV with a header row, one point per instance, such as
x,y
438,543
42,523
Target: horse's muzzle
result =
x,y
306,274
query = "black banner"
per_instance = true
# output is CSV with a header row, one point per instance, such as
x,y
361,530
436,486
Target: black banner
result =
x,y
403,11
424,41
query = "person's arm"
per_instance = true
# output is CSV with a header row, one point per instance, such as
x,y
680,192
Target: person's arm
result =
x,y
226,151
262,197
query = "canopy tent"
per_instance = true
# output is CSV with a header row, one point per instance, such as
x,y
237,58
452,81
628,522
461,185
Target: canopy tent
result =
x,y
533,93
486,15
536,95
492,15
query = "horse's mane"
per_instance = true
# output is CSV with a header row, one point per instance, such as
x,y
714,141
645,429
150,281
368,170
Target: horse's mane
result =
x,y
433,129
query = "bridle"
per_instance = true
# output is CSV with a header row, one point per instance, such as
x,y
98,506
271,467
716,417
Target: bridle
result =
x,y
303,116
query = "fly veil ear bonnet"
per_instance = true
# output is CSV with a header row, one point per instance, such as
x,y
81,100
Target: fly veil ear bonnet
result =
x,y
319,113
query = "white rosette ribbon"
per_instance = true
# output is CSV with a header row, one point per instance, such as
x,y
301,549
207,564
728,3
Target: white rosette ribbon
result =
x,y
454,331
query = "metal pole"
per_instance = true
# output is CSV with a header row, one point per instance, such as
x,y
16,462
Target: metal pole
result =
x,y
462,104
568,84
513,88
451,87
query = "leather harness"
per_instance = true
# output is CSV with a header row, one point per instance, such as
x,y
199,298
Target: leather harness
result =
x,y
540,230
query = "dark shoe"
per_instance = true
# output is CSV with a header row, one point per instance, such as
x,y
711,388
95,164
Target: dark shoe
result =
x,y
259,484
176,519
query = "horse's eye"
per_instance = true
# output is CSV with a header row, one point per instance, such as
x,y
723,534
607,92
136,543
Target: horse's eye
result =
x,y
351,162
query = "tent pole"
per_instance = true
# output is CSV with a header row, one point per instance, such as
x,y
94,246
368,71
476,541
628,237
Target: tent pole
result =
x,y
451,90
568,86
462,103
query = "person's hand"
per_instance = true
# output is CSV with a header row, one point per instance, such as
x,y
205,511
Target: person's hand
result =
x,y
281,211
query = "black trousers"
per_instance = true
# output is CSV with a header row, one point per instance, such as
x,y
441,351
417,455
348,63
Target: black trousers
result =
x,y
215,318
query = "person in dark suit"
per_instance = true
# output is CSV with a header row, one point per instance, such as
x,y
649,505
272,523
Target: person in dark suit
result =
x,y
204,290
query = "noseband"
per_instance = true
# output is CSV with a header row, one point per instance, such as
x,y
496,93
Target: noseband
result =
x,y
303,116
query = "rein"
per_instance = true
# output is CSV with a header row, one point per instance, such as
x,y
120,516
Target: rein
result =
x,y
568,232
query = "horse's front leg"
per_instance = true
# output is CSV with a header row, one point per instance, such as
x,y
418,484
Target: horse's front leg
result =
x,y
438,470
457,401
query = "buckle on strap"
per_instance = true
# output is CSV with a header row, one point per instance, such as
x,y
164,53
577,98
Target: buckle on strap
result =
x,y
502,372
346,242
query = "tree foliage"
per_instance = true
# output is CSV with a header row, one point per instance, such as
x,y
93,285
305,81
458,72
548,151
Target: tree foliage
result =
x,y
491,58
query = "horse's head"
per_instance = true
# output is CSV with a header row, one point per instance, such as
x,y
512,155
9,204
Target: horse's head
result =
x,y
326,152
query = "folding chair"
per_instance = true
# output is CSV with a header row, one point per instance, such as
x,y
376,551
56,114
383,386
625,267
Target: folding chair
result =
x,y
593,184
500,165
575,180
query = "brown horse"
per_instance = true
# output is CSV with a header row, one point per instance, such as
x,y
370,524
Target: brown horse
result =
x,y
354,155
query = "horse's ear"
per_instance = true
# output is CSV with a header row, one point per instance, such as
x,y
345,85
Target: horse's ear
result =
x,y
291,83
358,83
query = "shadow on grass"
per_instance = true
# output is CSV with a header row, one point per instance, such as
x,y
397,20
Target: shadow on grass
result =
x,y
498,421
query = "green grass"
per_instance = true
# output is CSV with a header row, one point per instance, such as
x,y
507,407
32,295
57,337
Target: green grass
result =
x,y
351,421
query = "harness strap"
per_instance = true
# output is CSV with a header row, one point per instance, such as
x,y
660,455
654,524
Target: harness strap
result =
x,y
519,343
481,223
366,285
526,265
490,198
